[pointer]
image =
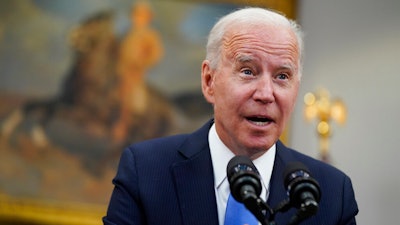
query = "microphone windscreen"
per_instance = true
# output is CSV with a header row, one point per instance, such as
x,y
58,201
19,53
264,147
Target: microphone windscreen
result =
x,y
239,162
292,169
242,173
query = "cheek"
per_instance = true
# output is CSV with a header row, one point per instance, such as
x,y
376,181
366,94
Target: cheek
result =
x,y
223,99
230,93
288,101
226,98
294,95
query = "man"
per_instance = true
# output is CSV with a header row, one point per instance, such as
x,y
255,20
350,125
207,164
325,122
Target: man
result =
x,y
251,76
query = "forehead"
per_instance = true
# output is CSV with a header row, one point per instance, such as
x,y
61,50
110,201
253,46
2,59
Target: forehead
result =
x,y
242,39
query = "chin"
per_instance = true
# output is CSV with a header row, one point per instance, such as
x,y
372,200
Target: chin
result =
x,y
261,142
259,147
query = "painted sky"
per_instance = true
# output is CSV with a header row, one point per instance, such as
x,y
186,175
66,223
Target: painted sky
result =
x,y
35,56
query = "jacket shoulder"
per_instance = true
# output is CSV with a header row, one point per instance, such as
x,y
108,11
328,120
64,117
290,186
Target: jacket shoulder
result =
x,y
316,166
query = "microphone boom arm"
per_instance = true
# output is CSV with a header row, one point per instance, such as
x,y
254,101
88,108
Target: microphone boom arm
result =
x,y
259,208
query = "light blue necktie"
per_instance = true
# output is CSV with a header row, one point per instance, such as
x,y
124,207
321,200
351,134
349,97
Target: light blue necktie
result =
x,y
237,214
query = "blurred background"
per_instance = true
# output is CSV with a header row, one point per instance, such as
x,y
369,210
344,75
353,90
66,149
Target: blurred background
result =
x,y
80,80
352,49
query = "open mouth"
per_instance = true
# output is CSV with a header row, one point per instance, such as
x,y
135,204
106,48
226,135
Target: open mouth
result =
x,y
259,120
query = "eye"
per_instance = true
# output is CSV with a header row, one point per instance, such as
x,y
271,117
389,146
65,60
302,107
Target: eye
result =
x,y
282,76
247,72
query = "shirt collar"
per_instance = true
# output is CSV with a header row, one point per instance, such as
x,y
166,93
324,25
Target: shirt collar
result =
x,y
221,155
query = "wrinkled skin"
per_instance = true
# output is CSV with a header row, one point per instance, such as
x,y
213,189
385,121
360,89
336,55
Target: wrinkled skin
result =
x,y
254,87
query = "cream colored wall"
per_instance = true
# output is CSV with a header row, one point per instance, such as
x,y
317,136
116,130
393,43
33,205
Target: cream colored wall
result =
x,y
353,49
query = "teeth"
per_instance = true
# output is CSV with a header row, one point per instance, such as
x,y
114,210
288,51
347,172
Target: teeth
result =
x,y
259,123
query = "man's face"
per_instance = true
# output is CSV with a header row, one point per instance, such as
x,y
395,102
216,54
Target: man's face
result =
x,y
254,88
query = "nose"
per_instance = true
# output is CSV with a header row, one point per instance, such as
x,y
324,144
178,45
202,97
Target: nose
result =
x,y
264,91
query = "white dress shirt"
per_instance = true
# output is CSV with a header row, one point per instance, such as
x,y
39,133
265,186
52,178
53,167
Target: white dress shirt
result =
x,y
220,155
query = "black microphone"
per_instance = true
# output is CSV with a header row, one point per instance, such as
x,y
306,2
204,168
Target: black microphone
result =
x,y
245,185
303,190
243,177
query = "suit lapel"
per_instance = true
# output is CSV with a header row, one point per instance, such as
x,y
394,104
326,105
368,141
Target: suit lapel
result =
x,y
277,189
194,180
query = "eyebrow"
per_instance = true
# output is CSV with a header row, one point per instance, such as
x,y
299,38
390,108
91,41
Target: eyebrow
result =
x,y
288,66
244,58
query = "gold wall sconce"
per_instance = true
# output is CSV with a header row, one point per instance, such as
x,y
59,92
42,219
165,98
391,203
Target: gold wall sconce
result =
x,y
320,107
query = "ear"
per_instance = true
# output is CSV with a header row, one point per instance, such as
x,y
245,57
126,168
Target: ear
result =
x,y
207,81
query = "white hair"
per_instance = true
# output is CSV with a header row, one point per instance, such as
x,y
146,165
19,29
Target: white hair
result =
x,y
250,15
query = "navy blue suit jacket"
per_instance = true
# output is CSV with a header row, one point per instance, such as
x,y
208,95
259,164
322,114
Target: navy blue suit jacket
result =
x,y
169,181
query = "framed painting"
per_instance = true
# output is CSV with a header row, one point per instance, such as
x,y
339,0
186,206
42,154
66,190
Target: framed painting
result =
x,y
77,85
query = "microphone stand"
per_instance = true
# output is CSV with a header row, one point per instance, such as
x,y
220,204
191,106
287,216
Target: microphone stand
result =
x,y
266,215
259,208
